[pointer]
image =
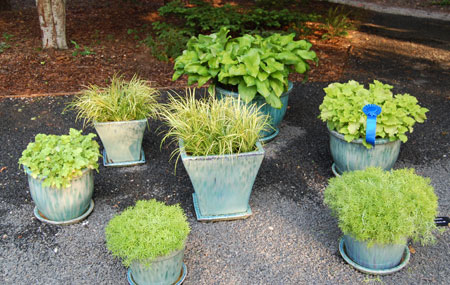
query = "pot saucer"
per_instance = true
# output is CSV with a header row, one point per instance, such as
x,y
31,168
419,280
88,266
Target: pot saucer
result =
x,y
334,169
271,136
217,218
44,219
403,263
178,282
107,162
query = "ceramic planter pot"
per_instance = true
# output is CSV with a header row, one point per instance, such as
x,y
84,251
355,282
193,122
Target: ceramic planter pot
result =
x,y
276,115
162,270
350,156
122,142
63,205
222,183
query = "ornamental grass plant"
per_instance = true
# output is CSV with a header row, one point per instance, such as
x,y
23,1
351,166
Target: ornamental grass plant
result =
x,y
210,126
148,230
383,207
122,100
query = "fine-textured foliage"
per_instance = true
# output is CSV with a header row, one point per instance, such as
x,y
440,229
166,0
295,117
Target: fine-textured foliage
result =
x,y
256,65
336,23
148,230
342,110
120,101
212,126
59,159
383,207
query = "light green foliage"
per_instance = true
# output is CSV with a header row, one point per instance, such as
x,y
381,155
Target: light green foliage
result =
x,y
383,207
81,50
342,110
336,23
148,230
212,126
120,101
254,64
59,159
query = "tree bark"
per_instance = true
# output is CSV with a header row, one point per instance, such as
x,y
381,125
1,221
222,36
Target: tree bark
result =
x,y
5,5
52,19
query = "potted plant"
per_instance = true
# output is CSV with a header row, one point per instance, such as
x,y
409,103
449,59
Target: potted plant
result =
x,y
119,114
60,175
377,212
150,239
342,109
219,147
250,66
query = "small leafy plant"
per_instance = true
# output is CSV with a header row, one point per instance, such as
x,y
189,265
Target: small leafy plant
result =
x,y
81,50
212,126
255,65
59,159
336,23
120,101
146,231
383,207
342,110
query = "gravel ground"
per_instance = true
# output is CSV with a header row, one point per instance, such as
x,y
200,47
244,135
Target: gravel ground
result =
x,y
290,239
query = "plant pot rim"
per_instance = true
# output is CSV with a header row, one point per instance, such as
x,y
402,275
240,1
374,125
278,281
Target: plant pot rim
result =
x,y
257,96
405,241
164,257
120,122
360,140
28,171
185,156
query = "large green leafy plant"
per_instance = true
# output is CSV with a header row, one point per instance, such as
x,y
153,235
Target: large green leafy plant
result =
x,y
255,65
342,110
59,159
383,207
146,231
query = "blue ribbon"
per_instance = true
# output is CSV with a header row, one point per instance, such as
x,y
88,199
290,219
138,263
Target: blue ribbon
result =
x,y
371,111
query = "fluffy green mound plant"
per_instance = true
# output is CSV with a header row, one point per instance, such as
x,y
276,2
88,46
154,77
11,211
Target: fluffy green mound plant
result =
x,y
122,100
59,159
210,126
148,230
255,65
342,110
383,207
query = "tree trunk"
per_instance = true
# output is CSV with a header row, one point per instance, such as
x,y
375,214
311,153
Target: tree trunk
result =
x,y
5,5
52,18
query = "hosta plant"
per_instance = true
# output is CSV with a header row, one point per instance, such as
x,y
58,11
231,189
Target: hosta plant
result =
x,y
59,159
148,230
254,65
342,110
383,207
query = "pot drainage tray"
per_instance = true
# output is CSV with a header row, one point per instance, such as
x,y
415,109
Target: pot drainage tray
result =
x,y
179,281
271,136
224,217
107,162
44,219
403,263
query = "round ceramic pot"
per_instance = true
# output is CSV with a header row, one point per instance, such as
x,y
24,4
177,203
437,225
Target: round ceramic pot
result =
x,y
375,257
162,270
63,204
122,140
350,156
276,115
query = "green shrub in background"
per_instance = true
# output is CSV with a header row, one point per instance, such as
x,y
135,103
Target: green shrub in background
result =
x,y
337,23
383,207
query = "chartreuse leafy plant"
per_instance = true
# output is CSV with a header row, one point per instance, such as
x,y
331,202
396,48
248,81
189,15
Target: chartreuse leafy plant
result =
x,y
342,110
59,159
210,126
122,100
383,207
148,230
255,65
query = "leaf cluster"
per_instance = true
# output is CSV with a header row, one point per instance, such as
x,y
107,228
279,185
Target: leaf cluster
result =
x,y
210,126
59,159
254,64
148,230
120,101
342,110
337,23
383,207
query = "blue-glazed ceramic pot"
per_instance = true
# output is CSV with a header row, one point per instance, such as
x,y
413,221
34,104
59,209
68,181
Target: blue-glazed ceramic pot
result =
x,y
63,204
350,156
122,140
276,115
223,183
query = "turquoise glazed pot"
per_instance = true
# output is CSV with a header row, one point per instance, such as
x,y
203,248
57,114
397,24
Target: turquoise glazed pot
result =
x,y
350,156
223,183
375,257
63,204
276,115
162,270
122,140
